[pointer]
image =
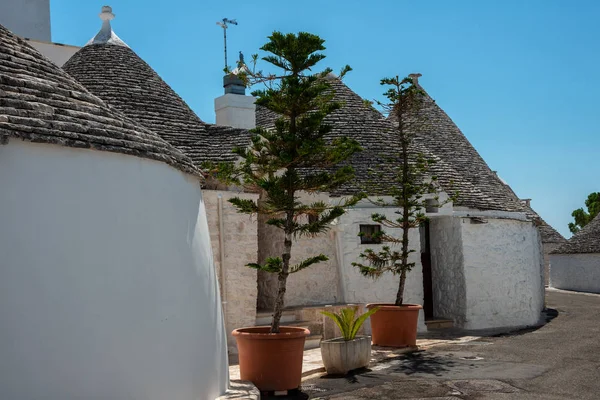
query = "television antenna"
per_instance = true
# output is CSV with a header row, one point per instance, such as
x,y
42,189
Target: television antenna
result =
x,y
224,24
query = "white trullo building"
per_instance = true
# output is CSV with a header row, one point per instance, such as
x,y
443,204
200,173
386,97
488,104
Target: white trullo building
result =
x,y
576,264
479,260
107,282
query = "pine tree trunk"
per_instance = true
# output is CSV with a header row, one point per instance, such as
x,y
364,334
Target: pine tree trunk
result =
x,y
282,283
285,272
287,252
404,140
400,295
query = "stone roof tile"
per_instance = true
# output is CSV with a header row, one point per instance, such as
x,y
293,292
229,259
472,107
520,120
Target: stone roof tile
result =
x,y
120,77
587,240
376,134
41,103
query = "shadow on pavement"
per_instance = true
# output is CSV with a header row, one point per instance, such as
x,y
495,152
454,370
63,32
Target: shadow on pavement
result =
x,y
422,362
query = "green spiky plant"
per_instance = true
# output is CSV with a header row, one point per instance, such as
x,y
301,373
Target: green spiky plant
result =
x,y
295,156
413,183
347,321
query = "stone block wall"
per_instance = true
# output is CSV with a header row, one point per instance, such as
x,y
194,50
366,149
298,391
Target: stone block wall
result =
x,y
239,288
318,284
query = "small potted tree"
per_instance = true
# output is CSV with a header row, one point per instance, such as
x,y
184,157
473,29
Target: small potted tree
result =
x,y
395,324
348,352
294,157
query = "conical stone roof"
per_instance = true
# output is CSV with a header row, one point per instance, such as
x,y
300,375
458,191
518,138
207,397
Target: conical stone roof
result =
x,y
587,240
376,136
114,72
444,139
41,103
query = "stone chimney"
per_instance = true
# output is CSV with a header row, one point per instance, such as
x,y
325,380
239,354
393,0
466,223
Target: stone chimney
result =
x,y
234,108
527,202
415,78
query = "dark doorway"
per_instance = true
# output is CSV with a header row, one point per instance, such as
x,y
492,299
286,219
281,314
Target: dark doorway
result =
x,y
427,279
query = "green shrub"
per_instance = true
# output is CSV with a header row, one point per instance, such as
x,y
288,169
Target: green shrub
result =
x,y
346,321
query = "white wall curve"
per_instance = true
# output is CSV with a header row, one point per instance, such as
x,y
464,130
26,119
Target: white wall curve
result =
x,y
107,283
580,272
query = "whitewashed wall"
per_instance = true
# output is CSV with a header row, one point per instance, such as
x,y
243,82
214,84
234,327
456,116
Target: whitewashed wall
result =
x,y
503,273
447,272
27,18
548,248
107,283
59,54
240,247
579,272
358,289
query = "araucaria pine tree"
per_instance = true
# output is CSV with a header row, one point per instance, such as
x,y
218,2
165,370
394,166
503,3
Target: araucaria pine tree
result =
x,y
295,156
413,182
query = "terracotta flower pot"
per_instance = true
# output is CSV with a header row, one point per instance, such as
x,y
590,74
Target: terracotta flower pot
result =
x,y
340,356
395,326
272,361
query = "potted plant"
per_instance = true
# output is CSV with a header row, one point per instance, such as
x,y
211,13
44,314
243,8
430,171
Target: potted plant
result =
x,y
348,352
281,163
395,324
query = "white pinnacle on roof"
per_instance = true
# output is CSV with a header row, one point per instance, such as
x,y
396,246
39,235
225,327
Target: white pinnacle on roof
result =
x,y
106,34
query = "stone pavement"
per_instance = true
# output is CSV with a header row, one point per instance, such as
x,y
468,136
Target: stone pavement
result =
x,y
313,365
560,360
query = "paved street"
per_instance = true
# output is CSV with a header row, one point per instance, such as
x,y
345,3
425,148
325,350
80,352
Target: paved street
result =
x,y
560,360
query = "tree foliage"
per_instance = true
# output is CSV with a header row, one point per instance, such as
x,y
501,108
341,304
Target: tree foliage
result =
x,y
414,183
294,156
581,217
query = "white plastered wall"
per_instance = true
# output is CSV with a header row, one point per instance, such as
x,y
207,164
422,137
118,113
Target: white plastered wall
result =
x,y
26,18
240,247
58,53
503,270
359,289
107,283
580,272
548,248
447,272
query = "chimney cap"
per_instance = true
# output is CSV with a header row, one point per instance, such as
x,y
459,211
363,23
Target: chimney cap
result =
x,y
233,85
107,14
526,201
415,77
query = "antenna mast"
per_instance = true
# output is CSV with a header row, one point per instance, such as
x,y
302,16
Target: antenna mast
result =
x,y
223,24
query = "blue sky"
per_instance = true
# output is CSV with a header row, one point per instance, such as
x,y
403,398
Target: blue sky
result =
x,y
518,77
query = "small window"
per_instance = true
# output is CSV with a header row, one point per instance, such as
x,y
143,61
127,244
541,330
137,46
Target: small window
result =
x,y
367,232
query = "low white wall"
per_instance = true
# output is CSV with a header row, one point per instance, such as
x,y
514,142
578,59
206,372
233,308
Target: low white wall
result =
x,y
359,289
503,273
548,248
447,272
107,283
579,272
240,247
